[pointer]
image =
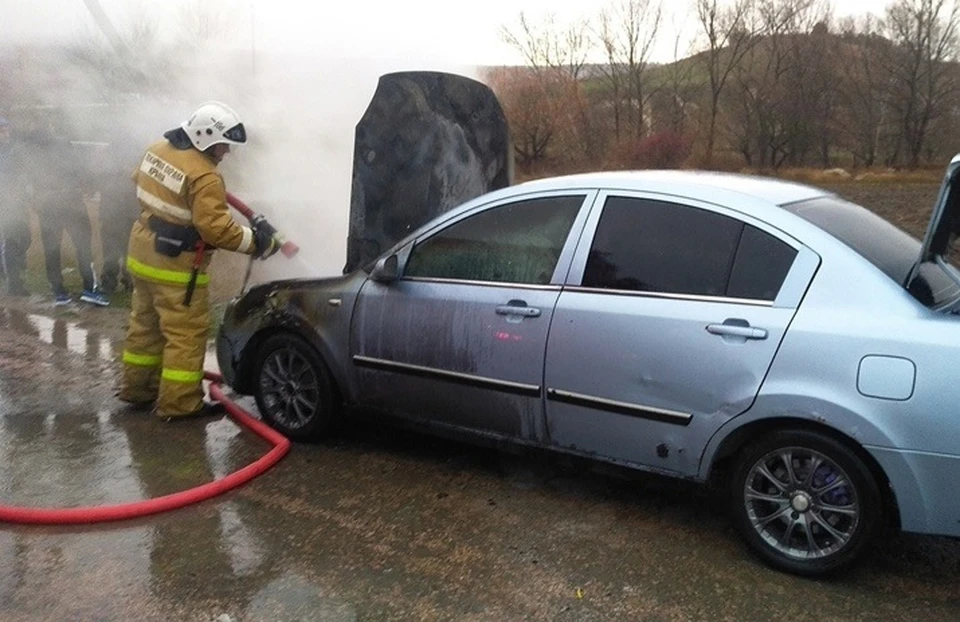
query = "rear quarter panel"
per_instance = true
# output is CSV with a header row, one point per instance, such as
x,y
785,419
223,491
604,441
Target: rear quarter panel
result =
x,y
852,311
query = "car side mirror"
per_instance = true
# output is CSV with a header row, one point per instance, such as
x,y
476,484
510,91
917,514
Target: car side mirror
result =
x,y
386,270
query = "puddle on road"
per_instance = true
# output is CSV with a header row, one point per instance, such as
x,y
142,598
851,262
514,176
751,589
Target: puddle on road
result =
x,y
66,441
67,335
80,457
61,333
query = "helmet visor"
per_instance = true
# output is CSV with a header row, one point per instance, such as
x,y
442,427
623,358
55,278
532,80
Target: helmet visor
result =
x,y
236,134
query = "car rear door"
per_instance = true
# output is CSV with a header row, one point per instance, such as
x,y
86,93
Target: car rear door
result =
x,y
671,316
459,338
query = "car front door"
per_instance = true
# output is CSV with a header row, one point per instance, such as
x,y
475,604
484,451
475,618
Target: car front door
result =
x,y
671,317
459,338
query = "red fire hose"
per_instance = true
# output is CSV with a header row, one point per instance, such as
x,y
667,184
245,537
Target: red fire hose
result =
x,y
105,513
123,511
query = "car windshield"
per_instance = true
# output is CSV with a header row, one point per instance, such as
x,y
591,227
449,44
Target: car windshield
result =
x,y
887,247
881,243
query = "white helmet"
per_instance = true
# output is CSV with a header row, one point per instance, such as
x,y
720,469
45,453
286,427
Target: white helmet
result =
x,y
212,124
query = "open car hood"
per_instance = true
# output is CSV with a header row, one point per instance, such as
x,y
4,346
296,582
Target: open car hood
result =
x,y
428,142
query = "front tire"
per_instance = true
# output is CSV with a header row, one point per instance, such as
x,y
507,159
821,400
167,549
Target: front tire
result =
x,y
805,502
294,389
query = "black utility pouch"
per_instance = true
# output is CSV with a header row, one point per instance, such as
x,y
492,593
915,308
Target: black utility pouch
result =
x,y
170,240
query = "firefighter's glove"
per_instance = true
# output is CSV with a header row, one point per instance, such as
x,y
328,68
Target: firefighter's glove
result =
x,y
264,238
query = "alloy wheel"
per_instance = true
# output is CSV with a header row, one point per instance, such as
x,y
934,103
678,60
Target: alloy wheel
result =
x,y
801,503
290,388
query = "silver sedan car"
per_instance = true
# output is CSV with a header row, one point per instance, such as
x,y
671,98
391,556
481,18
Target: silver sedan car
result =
x,y
764,336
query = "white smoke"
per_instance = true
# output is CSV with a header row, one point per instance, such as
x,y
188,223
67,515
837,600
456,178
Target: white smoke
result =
x,y
299,172
300,104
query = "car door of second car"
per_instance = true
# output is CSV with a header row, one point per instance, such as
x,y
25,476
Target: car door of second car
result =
x,y
670,320
459,338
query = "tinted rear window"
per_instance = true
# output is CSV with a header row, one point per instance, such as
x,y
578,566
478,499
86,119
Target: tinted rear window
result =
x,y
647,245
881,243
760,267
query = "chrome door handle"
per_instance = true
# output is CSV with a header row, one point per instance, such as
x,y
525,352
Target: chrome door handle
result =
x,y
522,311
732,330
518,307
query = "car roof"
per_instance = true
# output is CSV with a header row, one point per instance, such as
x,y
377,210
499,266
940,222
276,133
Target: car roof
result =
x,y
697,185
694,184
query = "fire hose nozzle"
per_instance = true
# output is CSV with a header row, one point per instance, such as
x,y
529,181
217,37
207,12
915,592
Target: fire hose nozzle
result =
x,y
288,248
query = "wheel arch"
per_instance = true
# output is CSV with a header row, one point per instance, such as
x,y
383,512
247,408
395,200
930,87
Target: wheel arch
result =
x,y
717,467
245,381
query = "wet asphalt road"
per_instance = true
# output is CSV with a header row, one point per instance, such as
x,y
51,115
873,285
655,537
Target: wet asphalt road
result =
x,y
375,524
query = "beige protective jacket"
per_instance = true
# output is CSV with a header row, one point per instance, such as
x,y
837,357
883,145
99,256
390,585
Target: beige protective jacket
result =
x,y
181,187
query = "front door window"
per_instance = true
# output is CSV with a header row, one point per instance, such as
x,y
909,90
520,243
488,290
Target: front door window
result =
x,y
514,243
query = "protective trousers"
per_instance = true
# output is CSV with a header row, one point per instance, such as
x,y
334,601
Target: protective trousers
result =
x,y
165,346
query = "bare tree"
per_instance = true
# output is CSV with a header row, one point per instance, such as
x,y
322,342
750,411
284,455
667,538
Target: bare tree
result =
x,y
809,92
613,74
770,95
679,87
801,86
821,50
545,47
527,106
862,88
557,57
628,31
924,33
731,32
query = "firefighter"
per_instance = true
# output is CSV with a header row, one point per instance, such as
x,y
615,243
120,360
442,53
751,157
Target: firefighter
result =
x,y
184,217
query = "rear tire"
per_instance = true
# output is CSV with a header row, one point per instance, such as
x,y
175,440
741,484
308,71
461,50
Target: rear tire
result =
x,y
805,502
294,389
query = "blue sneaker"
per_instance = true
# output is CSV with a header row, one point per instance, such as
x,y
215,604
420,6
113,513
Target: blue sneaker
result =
x,y
95,298
62,299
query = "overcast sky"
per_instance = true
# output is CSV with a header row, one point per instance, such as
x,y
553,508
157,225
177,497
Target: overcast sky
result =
x,y
456,31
